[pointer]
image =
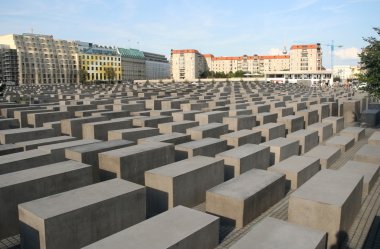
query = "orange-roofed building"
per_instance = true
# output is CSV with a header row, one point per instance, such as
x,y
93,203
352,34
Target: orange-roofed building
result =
x,y
306,57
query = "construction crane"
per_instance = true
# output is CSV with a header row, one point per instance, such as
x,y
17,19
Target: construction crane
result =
x,y
332,48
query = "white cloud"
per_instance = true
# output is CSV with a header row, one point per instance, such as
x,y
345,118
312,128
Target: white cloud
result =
x,y
347,53
275,51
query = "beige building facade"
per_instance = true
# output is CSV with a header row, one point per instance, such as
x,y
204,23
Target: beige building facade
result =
x,y
190,63
43,59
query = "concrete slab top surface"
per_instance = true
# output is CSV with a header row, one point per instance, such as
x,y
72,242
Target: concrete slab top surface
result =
x,y
328,186
166,136
65,202
375,136
43,140
339,140
136,149
296,163
22,155
366,169
39,172
353,129
301,133
246,184
22,130
369,150
100,145
178,223
280,141
273,233
199,143
52,147
242,151
240,133
206,126
267,126
322,151
134,129
184,166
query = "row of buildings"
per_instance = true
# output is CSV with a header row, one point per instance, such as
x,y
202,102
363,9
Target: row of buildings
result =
x,y
190,63
42,59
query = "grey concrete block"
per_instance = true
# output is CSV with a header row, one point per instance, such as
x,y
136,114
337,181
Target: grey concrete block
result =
x,y
355,132
342,142
282,148
212,130
326,154
308,139
132,134
238,138
172,138
368,154
204,147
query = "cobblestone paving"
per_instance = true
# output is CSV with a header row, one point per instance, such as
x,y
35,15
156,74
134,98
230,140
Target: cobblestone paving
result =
x,y
364,232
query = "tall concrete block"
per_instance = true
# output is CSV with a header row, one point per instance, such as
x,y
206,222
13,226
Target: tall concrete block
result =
x,y
173,184
31,184
351,110
130,163
81,216
328,202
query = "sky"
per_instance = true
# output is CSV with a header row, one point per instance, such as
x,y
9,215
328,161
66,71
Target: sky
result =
x,y
219,27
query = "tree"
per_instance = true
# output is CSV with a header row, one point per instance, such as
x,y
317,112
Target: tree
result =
x,y
82,76
110,73
370,63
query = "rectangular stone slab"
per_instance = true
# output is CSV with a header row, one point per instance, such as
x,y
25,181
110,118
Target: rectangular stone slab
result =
x,y
270,131
210,117
81,216
6,149
25,160
33,144
24,134
132,134
326,154
178,126
244,158
238,138
282,148
173,184
355,132
173,138
329,202
73,126
237,123
337,123
271,232
369,171
131,162
89,153
368,154
342,142
374,139
184,228
214,130
245,197
99,130
204,147
298,169
308,139
31,184
325,130
38,119
151,121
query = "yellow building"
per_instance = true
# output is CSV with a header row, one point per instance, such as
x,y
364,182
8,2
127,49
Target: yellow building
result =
x,y
306,57
95,60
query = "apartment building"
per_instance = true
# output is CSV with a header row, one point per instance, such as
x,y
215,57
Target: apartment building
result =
x,y
306,57
190,64
43,59
346,72
8,65
187,64
157,66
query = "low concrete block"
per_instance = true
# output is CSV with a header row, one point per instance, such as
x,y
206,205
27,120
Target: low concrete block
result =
x,y
282,148
204,147
329,202
184,228
73,126
67,220
99,130
298,169
326,154
310,116
24,134
185,115
130,163
178,126
245,197
31,184
237,123
132,134
369,171
292,123
239,138
270,131
325,130
265,118
38,119
368,154
355,132
9,123
342,142
6,149
270,233
172,138
210,117
308,139
337,123
33,144
214,130
89,153
244,158
151,121
173,184
374,139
